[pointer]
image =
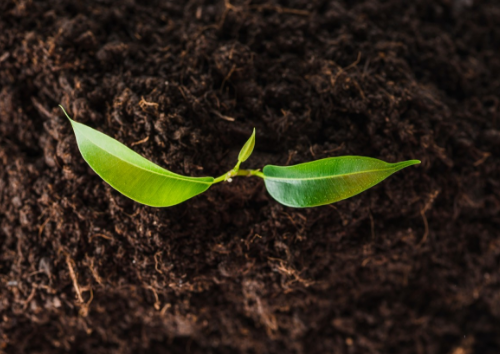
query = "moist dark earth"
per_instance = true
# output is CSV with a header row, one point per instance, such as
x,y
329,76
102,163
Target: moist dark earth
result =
x,y
409,266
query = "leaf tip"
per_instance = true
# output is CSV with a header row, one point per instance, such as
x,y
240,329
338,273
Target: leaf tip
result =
x,y
400,165
64,111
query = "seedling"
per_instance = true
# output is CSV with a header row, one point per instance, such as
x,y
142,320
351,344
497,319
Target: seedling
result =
x,y
308,184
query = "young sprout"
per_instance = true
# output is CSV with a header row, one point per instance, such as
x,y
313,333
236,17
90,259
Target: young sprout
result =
x,y
304,185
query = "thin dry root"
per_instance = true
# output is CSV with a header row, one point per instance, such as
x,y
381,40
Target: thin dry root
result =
x,y
72,274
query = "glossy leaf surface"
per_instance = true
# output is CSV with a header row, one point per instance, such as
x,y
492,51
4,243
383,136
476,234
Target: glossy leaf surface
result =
x,y
328,180
133,175
247,149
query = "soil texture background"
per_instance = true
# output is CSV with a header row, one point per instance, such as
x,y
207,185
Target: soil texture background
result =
x,y
410,266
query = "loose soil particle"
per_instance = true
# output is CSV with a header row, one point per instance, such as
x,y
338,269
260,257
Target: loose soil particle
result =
x,y
410,266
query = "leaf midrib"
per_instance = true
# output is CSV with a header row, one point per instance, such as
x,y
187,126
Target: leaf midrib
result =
x,y
174,176
326,177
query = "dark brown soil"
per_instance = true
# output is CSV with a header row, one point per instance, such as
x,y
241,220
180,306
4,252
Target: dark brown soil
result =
x,y
410,266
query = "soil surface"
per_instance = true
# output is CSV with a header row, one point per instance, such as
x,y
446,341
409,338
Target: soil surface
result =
x,y
410,266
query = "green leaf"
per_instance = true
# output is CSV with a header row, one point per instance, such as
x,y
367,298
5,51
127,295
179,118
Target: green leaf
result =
x,y
131,174
328,180
247,149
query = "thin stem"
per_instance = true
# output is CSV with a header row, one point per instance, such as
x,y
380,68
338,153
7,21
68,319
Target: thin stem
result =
x,y
220,178
237,167
256,173
232,173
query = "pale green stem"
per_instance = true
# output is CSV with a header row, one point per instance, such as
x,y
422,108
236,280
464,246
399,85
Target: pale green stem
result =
x,y
233,173
237,167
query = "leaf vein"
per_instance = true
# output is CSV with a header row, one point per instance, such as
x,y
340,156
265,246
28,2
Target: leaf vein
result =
x,y
327,177
172,175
